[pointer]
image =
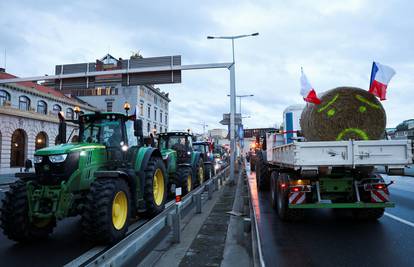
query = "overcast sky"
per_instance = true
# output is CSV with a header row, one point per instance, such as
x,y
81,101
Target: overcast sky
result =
x,y
334,41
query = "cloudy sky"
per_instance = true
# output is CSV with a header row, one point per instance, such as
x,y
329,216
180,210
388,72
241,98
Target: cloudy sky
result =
x,y
334,41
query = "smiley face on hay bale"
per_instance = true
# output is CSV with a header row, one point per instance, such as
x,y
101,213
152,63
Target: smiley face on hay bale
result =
x,y
344,113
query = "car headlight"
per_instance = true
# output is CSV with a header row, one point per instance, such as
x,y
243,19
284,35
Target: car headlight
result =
x,y
58,158
38,159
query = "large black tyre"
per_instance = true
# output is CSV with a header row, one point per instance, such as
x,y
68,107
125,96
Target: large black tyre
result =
x,y
282,201
199,171
15,217
262,173
253,163
186,181
273,189
107,210
368,214
155,190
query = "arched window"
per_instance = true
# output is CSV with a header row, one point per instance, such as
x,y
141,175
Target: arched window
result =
x,y
41,140
24,103
56,109
41,107
18,148
69,113
4,96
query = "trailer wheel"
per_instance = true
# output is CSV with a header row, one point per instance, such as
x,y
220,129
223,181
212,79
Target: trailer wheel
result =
x,y
286,214
273,191
262,174
15,217
368,214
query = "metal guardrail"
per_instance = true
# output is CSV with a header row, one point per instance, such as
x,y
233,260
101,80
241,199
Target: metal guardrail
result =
x,y
257,249
137,241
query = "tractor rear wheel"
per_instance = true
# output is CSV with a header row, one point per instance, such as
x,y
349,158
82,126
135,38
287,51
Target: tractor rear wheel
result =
x,y
15,217
155,190
199,171
107,211
368,214
185,178
282,201
262,173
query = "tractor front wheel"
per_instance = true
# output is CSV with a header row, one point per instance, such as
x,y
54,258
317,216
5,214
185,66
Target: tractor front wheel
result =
x,y
185,177
199,170
155,191
107,211
15,217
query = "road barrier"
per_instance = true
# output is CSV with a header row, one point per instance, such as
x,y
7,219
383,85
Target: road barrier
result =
x,y
139,239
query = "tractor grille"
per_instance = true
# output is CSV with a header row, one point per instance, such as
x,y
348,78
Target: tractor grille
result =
x,y
49,173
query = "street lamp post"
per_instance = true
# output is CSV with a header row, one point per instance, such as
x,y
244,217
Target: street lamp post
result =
x,y
240,98
232,99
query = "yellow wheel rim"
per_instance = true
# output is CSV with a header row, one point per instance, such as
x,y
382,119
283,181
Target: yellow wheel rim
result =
x,y
119,210
158,187
189,183
201,174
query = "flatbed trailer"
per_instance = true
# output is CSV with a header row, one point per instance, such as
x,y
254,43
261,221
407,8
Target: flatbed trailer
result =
x,y
331,174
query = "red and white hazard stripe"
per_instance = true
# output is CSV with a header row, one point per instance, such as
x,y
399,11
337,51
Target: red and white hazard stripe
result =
x,y
379,196
297,197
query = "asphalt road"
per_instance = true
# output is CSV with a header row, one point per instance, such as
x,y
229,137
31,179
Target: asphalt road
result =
x,y
331,238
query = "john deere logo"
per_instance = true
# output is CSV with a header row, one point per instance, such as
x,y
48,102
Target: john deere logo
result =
x,y
46,167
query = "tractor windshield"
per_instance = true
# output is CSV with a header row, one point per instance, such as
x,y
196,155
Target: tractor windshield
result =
x,y
106,131
200,148
170,141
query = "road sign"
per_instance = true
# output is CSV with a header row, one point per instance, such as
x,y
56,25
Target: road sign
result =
x,y
226,119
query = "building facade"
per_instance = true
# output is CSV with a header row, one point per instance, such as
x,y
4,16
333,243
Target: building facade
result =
x,y
28,120
110,92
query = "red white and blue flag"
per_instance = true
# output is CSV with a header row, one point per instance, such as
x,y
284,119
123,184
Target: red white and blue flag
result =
x,y
307,91
380,77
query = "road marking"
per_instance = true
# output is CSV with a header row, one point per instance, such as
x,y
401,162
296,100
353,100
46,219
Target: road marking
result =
x,y
399,219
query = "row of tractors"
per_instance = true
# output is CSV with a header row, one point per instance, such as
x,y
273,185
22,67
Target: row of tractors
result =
x,y
110,177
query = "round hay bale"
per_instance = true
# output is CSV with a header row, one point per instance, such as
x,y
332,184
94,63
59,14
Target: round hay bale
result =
x,y
344,113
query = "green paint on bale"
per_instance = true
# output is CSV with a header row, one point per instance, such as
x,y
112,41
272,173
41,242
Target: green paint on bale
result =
x,y
366,101
331,112
329,103
362,109
357,131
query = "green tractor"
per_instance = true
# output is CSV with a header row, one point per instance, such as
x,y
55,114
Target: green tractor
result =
x,y
108,178
185,166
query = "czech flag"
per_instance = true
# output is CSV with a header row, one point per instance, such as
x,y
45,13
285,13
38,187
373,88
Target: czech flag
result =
x,y
380,77
307,91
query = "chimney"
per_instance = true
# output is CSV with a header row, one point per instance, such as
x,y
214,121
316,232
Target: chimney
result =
x,y
2,70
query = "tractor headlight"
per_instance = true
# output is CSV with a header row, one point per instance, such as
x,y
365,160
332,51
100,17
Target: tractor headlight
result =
x,y
188,153
58,158
38,159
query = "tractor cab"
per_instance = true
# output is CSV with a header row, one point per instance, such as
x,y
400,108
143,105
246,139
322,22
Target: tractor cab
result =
x,y
180,143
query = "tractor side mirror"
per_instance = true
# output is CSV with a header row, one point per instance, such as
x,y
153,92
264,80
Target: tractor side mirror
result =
x,y
138,128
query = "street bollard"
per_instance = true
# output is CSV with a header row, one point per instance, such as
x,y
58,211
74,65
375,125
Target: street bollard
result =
x,y
197,201
176,218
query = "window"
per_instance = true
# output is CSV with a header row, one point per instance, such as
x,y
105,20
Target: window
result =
x,y
166,118
141,109
18,148
4,96
148,127
109,105
155,127
161,116
160,129
141,91
155,115
155,99
149,112
24,103
69,113
41,140
41,107
56,109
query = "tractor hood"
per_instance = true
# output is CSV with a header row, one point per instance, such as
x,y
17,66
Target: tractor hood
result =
x,y
66,148
166,152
